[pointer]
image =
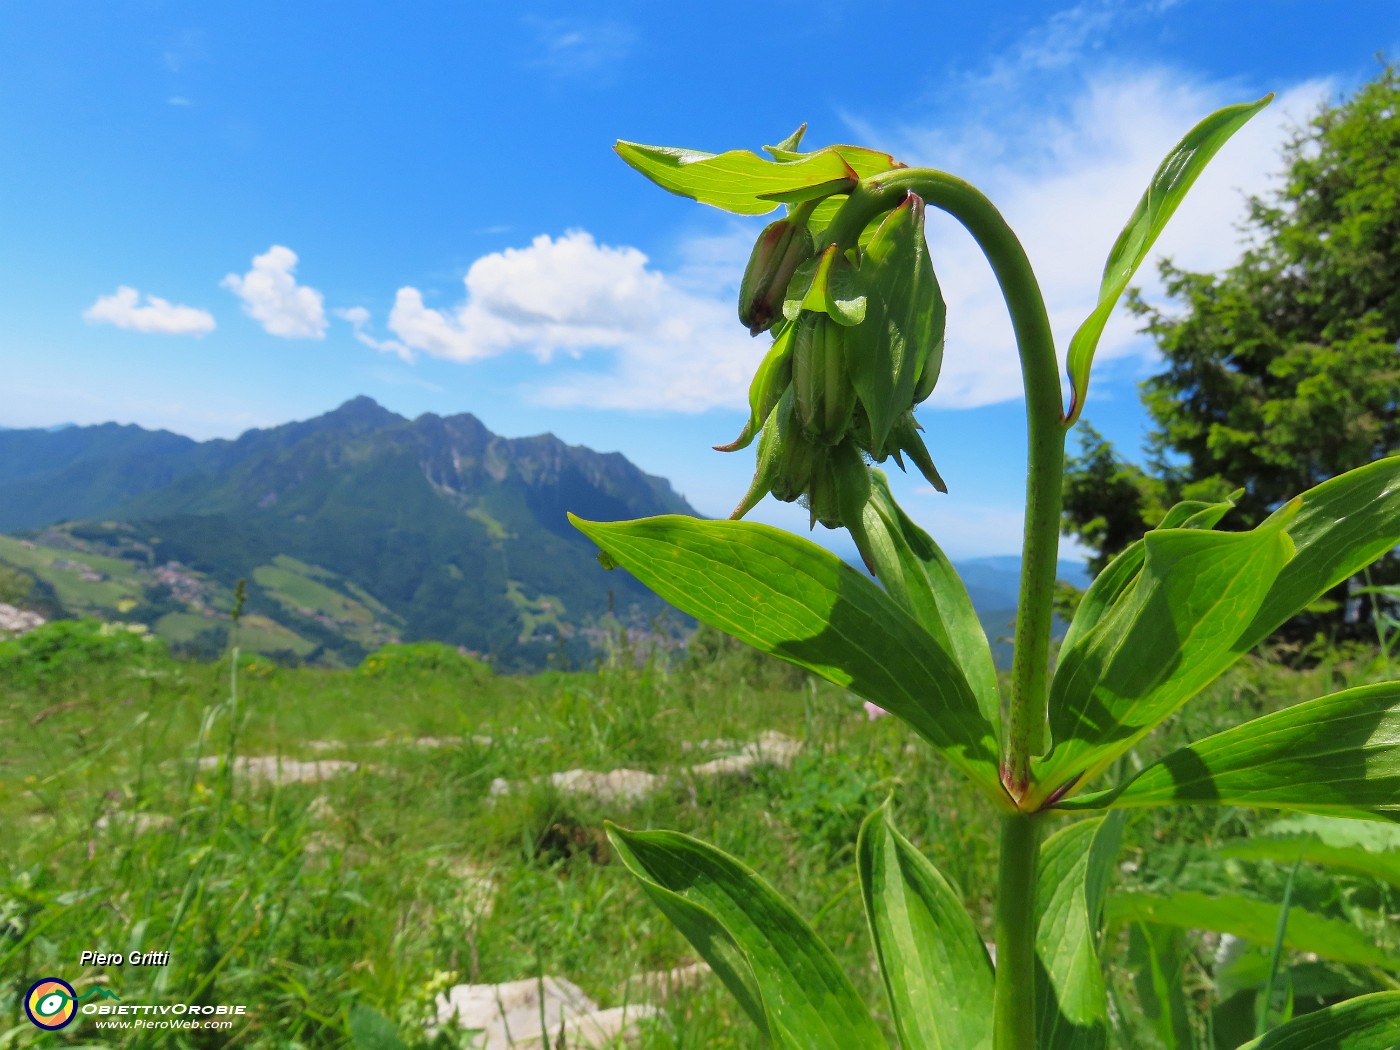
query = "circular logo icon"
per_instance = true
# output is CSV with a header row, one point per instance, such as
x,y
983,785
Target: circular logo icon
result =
x,y
50,1003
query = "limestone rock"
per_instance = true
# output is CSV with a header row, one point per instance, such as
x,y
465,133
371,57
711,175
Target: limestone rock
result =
x,y
507,1016
277,770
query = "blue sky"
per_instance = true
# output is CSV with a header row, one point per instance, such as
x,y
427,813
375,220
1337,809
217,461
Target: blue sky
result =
x,y
214,217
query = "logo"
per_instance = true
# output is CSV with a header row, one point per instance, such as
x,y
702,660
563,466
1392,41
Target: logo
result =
x,y
51,1002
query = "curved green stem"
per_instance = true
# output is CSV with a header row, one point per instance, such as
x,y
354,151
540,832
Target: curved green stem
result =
x,y
1025,727
1024,734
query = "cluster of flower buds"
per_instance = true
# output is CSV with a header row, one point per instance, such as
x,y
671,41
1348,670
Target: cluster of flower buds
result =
x,y
858,342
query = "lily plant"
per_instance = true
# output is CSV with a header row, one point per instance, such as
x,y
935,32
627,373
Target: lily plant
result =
x,y
844,285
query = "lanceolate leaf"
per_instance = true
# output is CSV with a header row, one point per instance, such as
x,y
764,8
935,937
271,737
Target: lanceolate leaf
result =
x,y
782,974
1349,859
1071,1002
1166,637
864,162
1251,920
789,597
740,181
1169,185
1360,847
1342,526
936,970
919,576
1339,755
1157,958
1368,1022
1123,570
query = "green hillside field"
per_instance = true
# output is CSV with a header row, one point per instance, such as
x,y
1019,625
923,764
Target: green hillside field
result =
x,y
344,904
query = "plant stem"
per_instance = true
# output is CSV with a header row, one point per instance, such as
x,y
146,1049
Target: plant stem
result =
x,y
1015,1007
1026,717
1014,1012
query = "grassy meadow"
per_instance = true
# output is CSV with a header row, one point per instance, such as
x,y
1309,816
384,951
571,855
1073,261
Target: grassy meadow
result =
x,y
339,909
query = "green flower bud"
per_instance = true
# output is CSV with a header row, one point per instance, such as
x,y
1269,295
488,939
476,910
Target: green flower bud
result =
x,y
772,444
782,247
769,383
840,489
822,499
928,377
801,460
824,396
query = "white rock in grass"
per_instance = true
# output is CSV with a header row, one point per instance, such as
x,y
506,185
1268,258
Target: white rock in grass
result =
x,y
770,749
277,770
616,785
15,621
507,1016
429,742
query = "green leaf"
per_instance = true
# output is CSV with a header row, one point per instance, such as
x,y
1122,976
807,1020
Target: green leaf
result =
x,y
936,970
1252,920
1123,570
1368,1022
781,973
919,576
864,162
902,334
1174,177
1157,959
740,181
1338,755
1103,593
1358,847
788,144
1342,526
786,596
826,284
1071,1001
1164,638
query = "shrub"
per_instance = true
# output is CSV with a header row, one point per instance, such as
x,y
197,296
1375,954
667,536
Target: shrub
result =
x,y
67,647
413,658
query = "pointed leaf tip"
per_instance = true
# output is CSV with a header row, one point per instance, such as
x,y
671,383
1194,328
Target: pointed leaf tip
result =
x,y
1173,179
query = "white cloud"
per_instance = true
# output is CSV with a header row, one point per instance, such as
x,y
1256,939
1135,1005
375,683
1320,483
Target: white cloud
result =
x,y
272,297
1066,177
123,309
1065,163
670,347
358,317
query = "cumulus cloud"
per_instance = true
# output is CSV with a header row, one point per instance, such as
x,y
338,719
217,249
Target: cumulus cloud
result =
x,y
1064,146
272,297
124,309
669,346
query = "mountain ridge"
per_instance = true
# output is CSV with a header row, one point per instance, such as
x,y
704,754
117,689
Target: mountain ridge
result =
x,y
355,527
460,534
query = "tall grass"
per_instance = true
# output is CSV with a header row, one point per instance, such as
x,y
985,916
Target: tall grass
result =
x,y
360,896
